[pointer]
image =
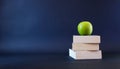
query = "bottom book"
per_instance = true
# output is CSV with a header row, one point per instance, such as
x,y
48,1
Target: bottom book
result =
x,y
85,54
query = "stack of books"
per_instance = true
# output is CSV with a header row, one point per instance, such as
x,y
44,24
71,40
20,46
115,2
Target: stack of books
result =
x,y
85,47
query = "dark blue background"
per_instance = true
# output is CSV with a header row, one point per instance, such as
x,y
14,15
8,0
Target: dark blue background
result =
x,y
47,26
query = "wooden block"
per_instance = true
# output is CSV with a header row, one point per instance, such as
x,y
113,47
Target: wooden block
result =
x,y
86,39
85,54
85,46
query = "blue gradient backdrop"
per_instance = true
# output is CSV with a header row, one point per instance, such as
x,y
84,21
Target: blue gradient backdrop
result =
x,y
47,26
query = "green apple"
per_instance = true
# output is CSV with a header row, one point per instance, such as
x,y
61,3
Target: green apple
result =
x,y
85,28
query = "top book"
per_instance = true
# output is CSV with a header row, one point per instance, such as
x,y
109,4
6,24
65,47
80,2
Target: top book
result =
x,y
86,39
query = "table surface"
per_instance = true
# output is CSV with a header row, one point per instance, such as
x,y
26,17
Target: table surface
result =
x,y
57,61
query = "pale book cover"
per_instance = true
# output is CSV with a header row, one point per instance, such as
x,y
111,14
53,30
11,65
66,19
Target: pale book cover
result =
x,y
85,46
86,39
82,55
